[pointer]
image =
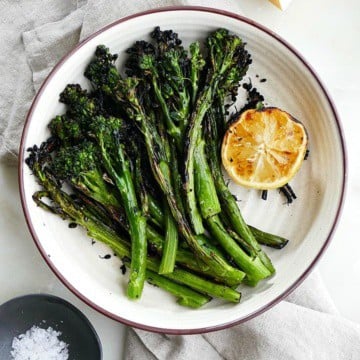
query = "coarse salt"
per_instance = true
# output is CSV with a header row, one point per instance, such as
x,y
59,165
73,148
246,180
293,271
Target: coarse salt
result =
x,y
39,344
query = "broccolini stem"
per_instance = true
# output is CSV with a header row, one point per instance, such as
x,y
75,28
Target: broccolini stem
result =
x,y
176,176
204,286
228,202
185,296
170,244
188,260
196,282
207,255
191,142
156,212
205,189
264,238
172,129
197,63
253,267
156,241
137,221
109,237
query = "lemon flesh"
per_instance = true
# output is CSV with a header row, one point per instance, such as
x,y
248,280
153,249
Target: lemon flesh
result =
x,y
264,149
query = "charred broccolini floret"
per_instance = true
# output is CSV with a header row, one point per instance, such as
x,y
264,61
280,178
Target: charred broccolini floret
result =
x,y
80,165
66,130
166,66
80,105
102,71
103,67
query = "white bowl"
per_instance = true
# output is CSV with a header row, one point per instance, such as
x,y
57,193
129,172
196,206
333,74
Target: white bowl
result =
x,y
309,222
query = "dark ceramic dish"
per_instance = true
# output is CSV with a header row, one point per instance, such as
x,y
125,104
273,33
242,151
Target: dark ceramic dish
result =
x,y
20,314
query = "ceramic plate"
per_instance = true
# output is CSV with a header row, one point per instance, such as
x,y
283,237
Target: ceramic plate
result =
x,y
309,222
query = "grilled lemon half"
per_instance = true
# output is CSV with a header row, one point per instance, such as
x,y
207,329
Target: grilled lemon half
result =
x,y
264,149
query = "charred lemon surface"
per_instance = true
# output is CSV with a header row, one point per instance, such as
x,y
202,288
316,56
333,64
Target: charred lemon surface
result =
x,y
264,149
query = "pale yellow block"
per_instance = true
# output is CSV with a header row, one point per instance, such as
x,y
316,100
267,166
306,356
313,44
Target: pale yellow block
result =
x,y
281,4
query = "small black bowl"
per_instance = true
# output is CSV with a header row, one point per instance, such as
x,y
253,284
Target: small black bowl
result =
x,y
20,314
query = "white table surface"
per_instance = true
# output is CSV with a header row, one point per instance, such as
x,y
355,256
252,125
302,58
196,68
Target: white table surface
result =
x,y
327,34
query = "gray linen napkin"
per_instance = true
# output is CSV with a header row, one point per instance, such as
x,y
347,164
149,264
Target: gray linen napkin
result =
x,y
305,326
17,90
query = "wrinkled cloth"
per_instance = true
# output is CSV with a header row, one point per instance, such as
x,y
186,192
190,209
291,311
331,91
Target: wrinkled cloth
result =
x,y
16,74
304,326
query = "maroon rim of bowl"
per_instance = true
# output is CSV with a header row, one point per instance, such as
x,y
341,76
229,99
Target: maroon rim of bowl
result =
x,y
203,329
